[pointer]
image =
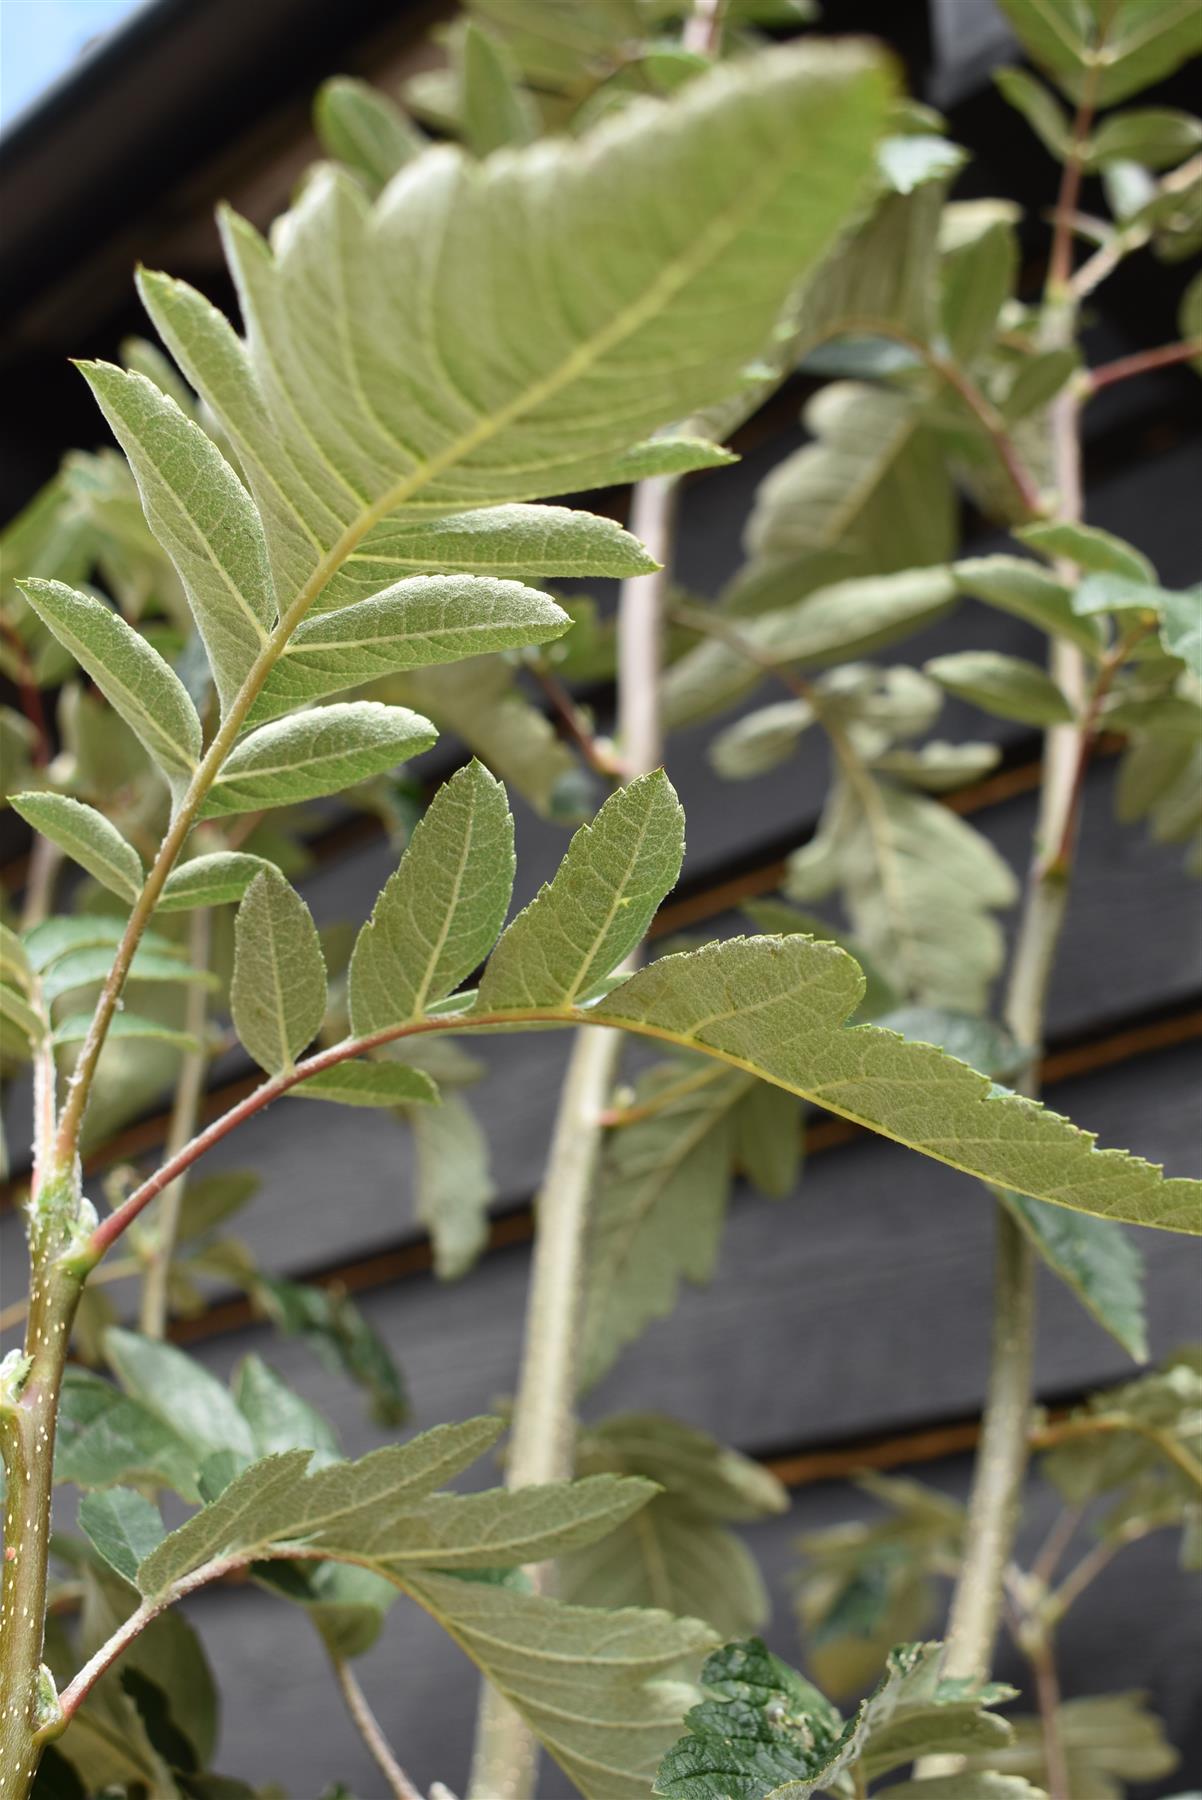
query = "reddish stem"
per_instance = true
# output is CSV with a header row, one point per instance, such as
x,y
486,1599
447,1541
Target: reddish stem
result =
x,y
1143,361
30,693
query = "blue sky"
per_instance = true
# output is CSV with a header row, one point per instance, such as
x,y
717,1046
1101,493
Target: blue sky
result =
x,y
40,39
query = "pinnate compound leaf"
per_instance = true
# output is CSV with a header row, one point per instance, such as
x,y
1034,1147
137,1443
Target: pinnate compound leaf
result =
x,y
201,514
123,1525
130,674
314,753
581,925
214,879
74,1029
779,1737
439,914
515,541
278,990
1106,51
87,837
427,619
368,1084
347,407
776,1008
1009,687
1097,1260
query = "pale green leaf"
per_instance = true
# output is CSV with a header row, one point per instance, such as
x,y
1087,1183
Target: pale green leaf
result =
x,y
939,768
368,1084
58,937
831,624
580,926
179,1393
602,1690
278,990
659,1208
427,619
131,675
18,1014
1028,591
986,1784
1109,1741
1097,1260
498,541
1039,107
278,1417
123,1525
869,497
777,1009
1092,549
768,1139
920,883
1034,381
1106,51
453,1186
74,1029
775,918
1156,137
201,514
1181,626
214,879
1008,687
363,128
79,968
15,966
87,837
761,739
314,753
978,278
105,1436
496,111
391,363
440,913
209,1200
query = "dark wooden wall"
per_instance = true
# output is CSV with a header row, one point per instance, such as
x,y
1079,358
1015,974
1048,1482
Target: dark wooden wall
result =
x,y
850,1318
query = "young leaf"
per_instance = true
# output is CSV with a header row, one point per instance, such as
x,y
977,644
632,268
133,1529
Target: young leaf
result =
x,y
579,927
363,128
496,111
369,1084
439,914
130,674
214,879
978,278
777,1007
74,1029
761,739
278,1418
428,619
201,514
59,937
1039,107
17,1013
124,1526
15,966
1181,626
314,753
341,427
1157,137
1097,1260
87,837
278,990
79,968
1006,686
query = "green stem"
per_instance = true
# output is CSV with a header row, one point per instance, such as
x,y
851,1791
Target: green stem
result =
x,y
189,1093
544,1423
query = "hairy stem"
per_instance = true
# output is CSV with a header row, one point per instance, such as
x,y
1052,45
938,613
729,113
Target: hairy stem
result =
x,y
189,1093
368,1727
544,1422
